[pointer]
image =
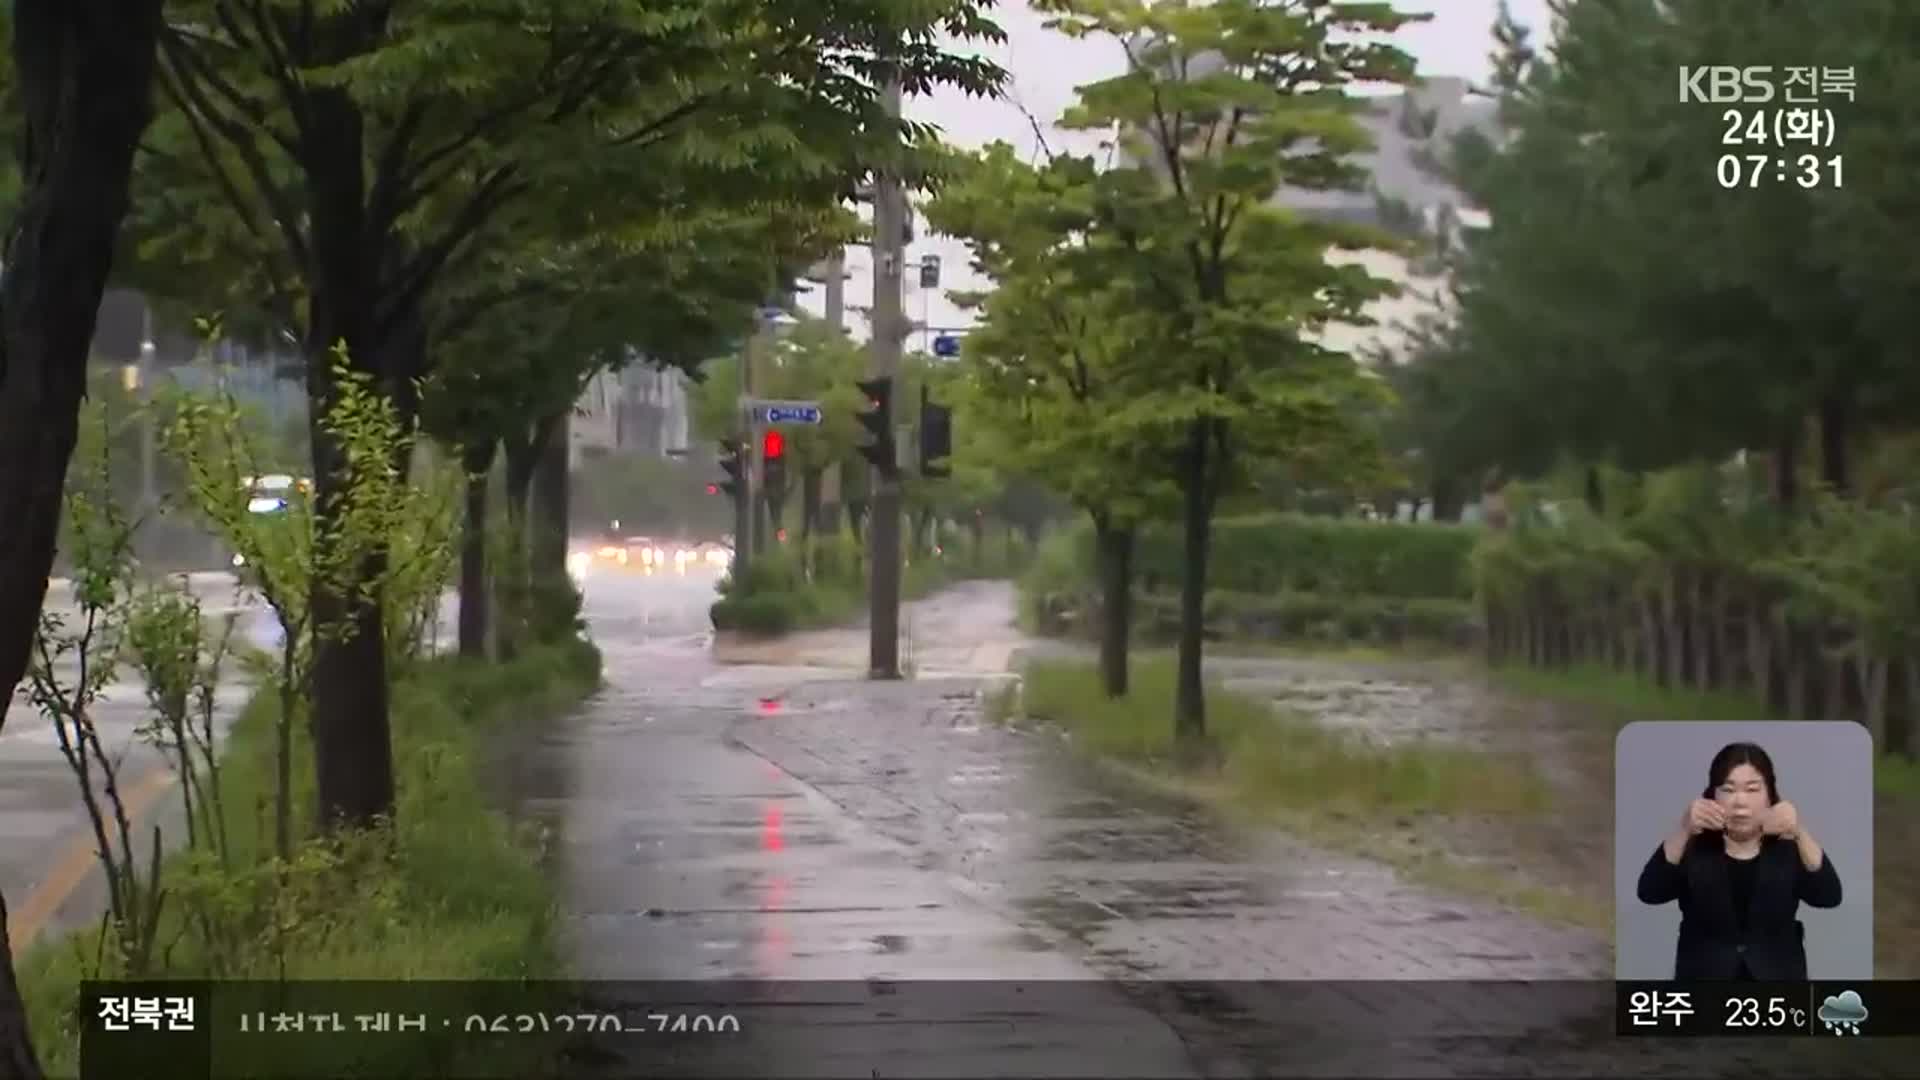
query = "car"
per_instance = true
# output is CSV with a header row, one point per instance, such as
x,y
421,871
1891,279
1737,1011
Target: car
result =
x,y
268,495
649,552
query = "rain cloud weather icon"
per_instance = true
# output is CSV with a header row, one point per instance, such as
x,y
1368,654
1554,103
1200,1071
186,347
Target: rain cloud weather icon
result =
x,y
1843,1013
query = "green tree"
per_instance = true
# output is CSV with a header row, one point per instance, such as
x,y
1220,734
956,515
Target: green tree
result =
x,y
658,278
1222,106
1621,294
1060,359
362,150
80,90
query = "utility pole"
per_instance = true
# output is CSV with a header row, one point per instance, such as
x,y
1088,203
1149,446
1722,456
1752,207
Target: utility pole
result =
x,y
743,539
883,532
836,287
144,378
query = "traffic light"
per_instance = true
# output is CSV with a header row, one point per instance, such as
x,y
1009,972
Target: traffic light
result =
x,y
733,464
936,437
930,271
773,461
877,418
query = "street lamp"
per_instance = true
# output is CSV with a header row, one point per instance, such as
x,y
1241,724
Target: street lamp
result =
x,y
139,378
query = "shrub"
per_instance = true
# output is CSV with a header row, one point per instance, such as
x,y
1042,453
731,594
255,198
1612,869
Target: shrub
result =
x,y
1276,553
763,614
1061,594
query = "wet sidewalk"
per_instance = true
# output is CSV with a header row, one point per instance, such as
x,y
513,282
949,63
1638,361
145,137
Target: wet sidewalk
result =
x,y
849,844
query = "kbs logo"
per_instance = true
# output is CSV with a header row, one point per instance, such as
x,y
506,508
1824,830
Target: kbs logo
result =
x,y
1727,85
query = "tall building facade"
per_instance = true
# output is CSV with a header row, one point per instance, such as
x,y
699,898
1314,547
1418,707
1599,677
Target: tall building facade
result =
x,y
636,410
1405,195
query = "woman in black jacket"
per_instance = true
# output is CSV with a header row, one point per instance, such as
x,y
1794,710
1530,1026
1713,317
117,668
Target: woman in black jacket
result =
x,y
1741,864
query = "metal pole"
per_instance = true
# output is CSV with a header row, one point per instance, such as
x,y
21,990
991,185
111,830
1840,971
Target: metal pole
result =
x,y
836,284
743,499
883,532
148,495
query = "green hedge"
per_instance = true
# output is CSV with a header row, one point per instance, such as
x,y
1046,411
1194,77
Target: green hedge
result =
x,y
1815,613
1278,577
780,596
1287,617
1293,553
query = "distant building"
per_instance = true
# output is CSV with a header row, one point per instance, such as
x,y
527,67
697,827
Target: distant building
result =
x,y
636,410
1403,195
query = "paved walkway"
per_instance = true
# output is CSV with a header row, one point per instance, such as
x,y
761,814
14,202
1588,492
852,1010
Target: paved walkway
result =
x,y
756,822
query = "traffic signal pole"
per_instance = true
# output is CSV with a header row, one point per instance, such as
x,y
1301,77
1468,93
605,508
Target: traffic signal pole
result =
x,y
743,547
883,531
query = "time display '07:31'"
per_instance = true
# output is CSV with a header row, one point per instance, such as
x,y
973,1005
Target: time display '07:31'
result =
x,y
1806,170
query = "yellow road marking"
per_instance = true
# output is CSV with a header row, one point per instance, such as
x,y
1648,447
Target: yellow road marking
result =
x,y
77,860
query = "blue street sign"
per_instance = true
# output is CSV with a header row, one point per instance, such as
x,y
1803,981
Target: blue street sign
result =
x,y
946,345
787,412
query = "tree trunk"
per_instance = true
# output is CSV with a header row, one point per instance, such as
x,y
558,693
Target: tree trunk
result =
x,y
1835,681
1673,659
1799,661
1872,671
1701,634
477,461
1190,702
1115,546
523,453
1901,720
1785,471
1779,674
548,517
1651,647
510,581
83,91
1595,495
811,481
1760,653
352,737
1726,644
1834,426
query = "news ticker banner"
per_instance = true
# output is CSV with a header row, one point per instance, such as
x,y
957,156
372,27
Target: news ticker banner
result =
x,y
1756,1009
666,1030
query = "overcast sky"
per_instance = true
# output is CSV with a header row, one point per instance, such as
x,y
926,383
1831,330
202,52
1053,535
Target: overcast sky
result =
x,y
1045,68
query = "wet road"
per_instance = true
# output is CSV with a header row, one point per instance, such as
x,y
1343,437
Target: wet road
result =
x,y
861,844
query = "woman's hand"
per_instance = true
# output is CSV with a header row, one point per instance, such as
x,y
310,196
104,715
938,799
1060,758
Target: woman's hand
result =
x,y
1782,820
1705,815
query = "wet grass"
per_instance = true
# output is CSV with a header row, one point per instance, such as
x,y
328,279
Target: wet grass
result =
x,y
1333,787
1612,699
451,892
1622,698
1273,759
1337,652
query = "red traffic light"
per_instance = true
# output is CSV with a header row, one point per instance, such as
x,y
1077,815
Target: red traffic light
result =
x,y
773,445
713,489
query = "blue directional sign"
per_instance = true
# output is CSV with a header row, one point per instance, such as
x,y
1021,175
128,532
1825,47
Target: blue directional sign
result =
x,y
946,345
786,412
